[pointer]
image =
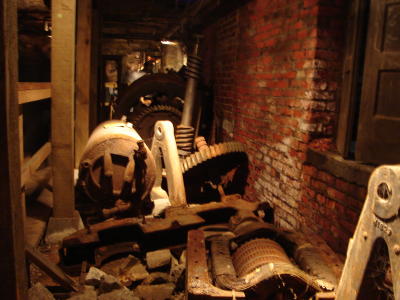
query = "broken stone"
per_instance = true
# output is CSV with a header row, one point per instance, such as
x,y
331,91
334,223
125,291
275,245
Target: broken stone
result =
x,y
119,294
157,278
177,269
94,277
109,283
88,293
133,270
179,296
127,270
39,292
155,292
182,259
159,258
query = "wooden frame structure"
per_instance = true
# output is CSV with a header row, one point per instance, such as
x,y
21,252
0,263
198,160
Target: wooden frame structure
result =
x,y
12,256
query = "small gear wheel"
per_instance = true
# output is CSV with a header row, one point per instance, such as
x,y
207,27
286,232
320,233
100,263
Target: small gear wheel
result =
x,y
144,122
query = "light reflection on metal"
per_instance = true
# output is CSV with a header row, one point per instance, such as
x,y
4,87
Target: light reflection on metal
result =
x,y
166,42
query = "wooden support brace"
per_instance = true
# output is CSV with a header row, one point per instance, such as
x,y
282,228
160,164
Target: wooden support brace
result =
x,y
12,257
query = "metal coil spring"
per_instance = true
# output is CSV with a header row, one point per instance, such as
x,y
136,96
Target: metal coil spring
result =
x,y
193,67
184,137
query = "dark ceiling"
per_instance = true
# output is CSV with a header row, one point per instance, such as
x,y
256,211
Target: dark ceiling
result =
x,y
136,19
151,19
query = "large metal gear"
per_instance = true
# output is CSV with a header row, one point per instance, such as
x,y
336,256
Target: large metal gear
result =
x,y
171,86
144,122
223,165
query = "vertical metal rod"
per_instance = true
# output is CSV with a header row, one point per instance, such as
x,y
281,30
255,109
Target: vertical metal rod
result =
x,y
193,73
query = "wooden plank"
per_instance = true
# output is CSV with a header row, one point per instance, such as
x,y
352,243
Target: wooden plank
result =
x,y
23,86
12,257
21,159
378,138
62,108
33,91
96,56
38,214
30,166
50,268
83,71
351,72
33,95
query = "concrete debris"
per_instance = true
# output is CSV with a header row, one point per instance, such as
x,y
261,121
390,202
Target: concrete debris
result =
x,y
127,270
39,292
157,278
182,259
159,258
99,279
88,293
133,270
119,294
180,296
94,277
156,291
109,283
177,269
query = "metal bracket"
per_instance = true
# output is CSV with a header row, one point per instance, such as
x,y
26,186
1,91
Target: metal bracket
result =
x,y
164,146
379,219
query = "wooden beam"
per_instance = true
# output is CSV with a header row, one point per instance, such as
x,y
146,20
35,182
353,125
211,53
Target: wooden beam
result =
x,y
83,72
62,108
51,269
29,167
96,60
12,257
33,91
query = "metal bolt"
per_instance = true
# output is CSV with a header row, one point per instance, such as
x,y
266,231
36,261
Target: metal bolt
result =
x,y
396,249
365,235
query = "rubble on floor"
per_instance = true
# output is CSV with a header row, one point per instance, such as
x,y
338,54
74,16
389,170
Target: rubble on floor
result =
x,y
159,275
39,292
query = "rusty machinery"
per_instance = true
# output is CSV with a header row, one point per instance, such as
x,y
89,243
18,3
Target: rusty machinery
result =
x,y
164,92
378,226
254,260
117,174
116,171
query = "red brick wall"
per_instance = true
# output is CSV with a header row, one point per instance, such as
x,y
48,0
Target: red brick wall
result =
x,y
276,69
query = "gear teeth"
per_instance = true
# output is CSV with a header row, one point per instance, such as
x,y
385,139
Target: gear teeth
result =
x,y
203,154
185,165
217,150
222,148
199,158
210,152
213,152
193,159
189,162
156,108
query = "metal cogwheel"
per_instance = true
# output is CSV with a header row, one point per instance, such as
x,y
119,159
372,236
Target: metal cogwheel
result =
x,y
224,164
210,152
144,121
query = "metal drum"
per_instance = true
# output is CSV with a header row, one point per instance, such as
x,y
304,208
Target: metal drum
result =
x,y
117,170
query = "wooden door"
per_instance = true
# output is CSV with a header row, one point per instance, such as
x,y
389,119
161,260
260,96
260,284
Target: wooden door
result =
x,y
378,139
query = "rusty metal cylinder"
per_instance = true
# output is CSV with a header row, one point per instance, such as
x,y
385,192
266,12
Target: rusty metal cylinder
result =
x,y
256,253
116,169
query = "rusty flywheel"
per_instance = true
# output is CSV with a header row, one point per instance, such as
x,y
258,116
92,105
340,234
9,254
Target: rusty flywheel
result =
x,y
144,121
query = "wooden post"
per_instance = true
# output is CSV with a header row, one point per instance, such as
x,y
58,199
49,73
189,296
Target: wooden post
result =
x,y
96,57
12,257
83,76
62,105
